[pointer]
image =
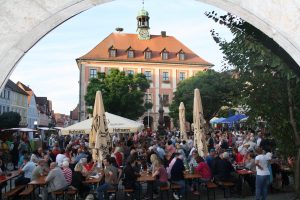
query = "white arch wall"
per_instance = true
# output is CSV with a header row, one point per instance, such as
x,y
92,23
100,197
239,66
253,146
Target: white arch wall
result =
x,y
25,22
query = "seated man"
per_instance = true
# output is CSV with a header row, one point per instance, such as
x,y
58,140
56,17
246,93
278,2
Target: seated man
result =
x,y
111,177
55,181
40,170
26,172
130,177
177,175
223,169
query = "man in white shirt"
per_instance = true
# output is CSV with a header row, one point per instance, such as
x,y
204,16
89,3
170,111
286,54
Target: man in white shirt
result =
x,y
60,158
26,172
262,174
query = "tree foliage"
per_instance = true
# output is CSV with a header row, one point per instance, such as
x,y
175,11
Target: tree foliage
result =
x,y
268,79
9,120
216,89
122,94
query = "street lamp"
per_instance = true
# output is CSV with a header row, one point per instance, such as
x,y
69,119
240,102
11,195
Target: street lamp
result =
x,y
35,123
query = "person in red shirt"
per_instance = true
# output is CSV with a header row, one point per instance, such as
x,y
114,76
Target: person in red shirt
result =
x,y
203,169
55,150
239,158
119,156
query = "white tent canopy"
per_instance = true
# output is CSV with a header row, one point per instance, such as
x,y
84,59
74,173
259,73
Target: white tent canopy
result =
x,y
115,123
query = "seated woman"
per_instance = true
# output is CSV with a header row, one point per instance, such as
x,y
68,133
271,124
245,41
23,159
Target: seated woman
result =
x,y
204,170
161,174
89,165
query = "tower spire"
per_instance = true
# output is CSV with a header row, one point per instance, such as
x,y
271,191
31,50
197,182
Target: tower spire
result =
x,y
143,24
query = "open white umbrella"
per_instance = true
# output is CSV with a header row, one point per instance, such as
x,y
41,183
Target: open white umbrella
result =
x,y
198,121
100,139
115,124
183,135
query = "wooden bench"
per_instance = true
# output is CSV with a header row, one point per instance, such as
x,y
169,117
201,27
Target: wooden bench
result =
x,y
112,191
164,189
175,187
71,191
128,191
211,186
27,192
14,192
226,185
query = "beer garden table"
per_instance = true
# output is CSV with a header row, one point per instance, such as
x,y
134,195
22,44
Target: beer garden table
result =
x,y
146,178
242,173
6,178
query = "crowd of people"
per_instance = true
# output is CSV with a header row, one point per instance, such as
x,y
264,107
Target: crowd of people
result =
x,y
66,161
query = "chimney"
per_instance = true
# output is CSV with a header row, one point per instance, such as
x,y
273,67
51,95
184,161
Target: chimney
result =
x,y
163,34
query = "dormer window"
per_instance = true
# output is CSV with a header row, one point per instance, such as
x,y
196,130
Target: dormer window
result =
x,y
112,52
164,54
181,55
130,52
147,53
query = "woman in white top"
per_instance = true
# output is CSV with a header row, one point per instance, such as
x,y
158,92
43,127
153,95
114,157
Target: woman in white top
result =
x,y
262,174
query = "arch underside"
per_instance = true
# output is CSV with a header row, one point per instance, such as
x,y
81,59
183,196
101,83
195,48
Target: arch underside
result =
x,y
24,22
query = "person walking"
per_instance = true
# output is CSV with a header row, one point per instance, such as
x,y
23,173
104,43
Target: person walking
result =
x,y
262,174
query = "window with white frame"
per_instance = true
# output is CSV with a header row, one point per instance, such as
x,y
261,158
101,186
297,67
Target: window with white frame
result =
x,y
181,56
130,71
165,55
112,53
148,75
181,76
130,54
148,55
165,76
148,97
93,73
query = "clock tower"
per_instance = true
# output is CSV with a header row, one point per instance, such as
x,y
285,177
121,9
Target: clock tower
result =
x,y
143,25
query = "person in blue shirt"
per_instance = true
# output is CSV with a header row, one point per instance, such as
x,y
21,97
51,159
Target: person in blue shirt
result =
x,y
210,158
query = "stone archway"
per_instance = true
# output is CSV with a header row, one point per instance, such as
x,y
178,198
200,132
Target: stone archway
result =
x,y
30,20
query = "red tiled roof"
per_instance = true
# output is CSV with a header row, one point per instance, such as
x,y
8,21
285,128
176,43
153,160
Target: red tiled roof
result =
x,y
156,44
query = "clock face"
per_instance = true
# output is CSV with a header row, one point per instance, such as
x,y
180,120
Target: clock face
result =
x,y
144,34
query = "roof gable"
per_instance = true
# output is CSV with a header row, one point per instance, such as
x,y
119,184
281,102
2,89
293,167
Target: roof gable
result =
x,y
14,87
121,42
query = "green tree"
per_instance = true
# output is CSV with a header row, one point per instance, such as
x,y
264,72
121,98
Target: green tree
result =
x,y
122,94
216,89
9,120
268,80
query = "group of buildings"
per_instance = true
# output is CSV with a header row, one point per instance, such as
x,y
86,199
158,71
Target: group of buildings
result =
x,y
163,59
34,111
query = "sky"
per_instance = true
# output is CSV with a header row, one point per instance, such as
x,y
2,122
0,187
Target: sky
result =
x,y
50,69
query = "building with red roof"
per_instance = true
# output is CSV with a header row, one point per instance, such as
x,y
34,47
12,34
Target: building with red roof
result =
x,y
163,59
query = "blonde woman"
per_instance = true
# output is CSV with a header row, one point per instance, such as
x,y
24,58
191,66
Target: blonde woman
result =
x,y
154,160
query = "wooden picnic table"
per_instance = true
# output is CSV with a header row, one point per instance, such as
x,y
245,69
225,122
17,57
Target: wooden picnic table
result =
x,y
13,174
6,178
145,177
244,172
40,181
92,180
192,176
